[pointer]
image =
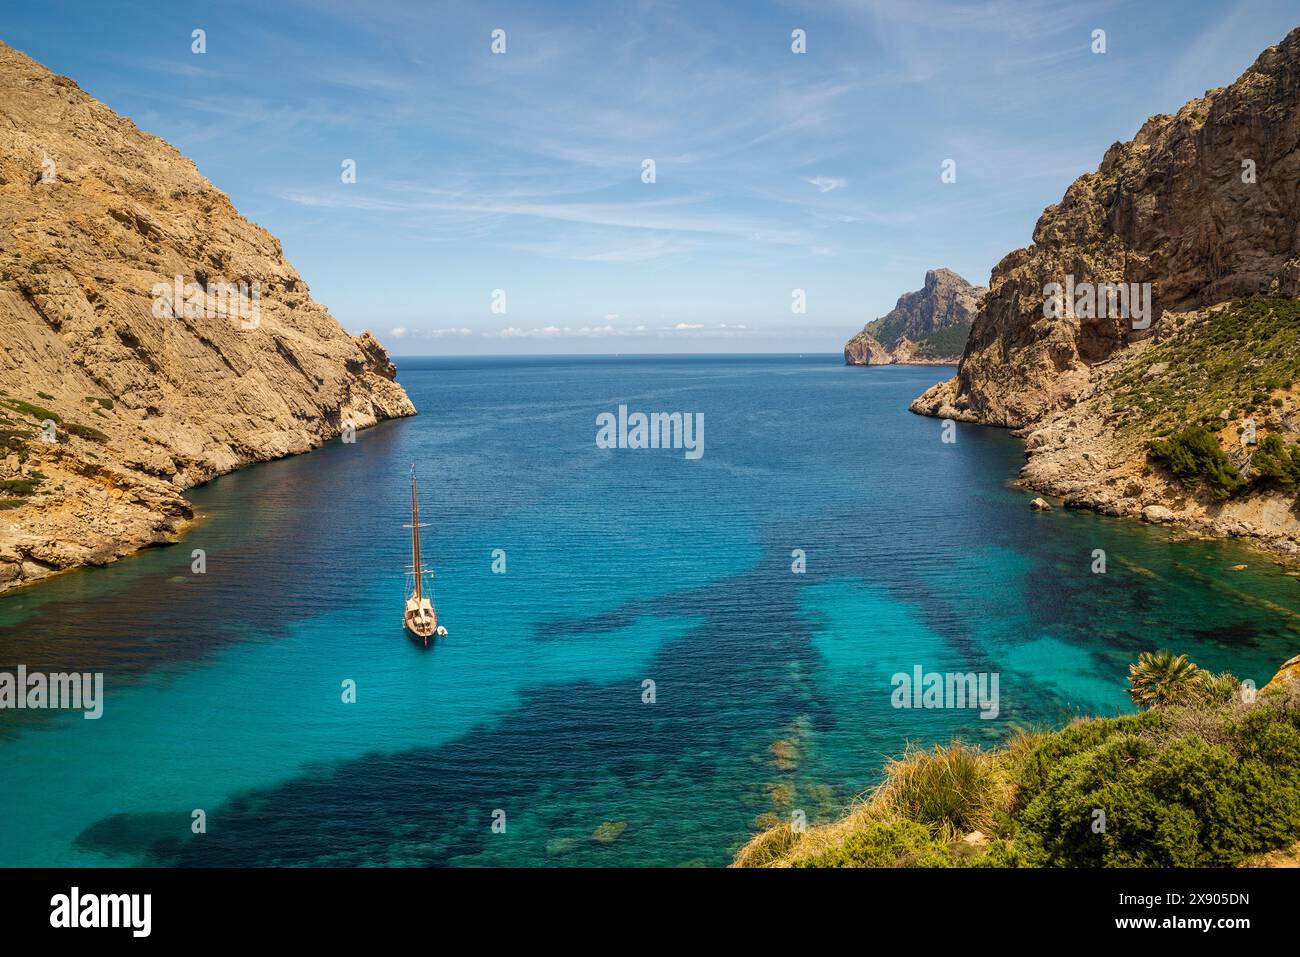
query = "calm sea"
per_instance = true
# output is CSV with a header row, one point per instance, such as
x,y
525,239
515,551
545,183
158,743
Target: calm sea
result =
x,y
771,690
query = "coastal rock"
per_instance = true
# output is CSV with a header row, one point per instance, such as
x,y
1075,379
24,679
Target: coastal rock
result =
x,y
1178,207
864,349
145,394
1168,207
1040,505
925,327
1157,514
1287,676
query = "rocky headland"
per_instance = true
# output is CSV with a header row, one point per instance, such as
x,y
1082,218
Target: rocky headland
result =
x,y
925,327
151,338
1199,211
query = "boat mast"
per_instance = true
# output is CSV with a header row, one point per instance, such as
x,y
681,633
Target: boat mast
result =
x,y
415,540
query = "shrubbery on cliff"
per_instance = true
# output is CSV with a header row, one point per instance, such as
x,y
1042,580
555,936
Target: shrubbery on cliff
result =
x,y
1234,357
1195,456
1202,778
1182,787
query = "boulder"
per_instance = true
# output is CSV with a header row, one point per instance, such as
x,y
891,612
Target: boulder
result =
x,y
1157,514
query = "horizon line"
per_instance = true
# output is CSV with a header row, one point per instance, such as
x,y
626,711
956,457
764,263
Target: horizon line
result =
x,y
609,355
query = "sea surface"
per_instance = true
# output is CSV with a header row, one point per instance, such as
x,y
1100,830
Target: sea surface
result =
x,y
531,734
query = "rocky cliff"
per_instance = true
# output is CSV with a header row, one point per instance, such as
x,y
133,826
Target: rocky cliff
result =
x,y
1177,227
928,326
1202,204
151,338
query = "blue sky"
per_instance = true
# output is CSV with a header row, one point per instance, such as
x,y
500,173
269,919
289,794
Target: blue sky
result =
x,y
521,172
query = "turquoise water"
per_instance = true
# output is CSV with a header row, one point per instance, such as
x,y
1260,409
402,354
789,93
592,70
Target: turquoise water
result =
x,y
772,690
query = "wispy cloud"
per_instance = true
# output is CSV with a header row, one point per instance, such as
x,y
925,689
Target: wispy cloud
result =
x,y
774,170
826,184
680,215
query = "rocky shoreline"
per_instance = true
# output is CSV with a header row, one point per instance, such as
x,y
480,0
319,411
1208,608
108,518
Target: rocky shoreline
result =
x,y
1197,212
151,338
1080,457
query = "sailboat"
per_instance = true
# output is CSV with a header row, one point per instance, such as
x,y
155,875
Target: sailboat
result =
x,y
419,616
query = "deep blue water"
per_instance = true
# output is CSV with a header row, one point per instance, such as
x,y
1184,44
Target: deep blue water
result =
x,y
772,689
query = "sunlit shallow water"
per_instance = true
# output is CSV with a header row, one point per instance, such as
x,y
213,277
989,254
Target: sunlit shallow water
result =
x,y
772,690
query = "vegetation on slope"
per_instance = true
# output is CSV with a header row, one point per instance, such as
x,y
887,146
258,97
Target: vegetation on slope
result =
x,y
944,343
1231,358
940,344
1278,464
1195,457
1189,395
1202,777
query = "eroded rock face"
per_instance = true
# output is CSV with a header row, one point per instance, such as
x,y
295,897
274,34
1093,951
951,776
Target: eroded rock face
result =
x,y
1287,676
864,349
1170,208
925,327
96,217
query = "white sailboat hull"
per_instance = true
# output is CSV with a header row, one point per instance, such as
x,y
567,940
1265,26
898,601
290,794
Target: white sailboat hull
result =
x,y
419,617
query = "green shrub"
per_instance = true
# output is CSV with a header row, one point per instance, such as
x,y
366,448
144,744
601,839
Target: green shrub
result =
x,y
1277,464
35,411
1203,780
891,843
8,503
1208,351
1002,853
1173,794
13,439
86,432
1073,738
1195,456
19,486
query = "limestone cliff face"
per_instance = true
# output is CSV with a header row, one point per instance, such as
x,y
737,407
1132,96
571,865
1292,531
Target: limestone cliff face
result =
x,y
928,326
864,349
143,392
1202,204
